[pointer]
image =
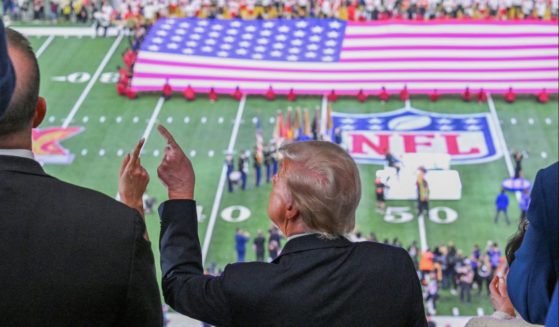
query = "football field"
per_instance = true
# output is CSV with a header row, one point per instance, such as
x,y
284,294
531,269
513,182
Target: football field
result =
x,y
90,128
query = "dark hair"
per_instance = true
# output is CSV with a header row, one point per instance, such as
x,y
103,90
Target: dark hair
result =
x,y
515,241
22,106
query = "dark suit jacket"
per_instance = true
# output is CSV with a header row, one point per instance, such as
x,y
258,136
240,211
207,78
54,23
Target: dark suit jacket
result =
x,y
70,256
314,282
533,273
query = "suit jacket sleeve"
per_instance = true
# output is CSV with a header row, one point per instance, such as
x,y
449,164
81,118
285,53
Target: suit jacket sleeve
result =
x,y
185,287
530,273
143,302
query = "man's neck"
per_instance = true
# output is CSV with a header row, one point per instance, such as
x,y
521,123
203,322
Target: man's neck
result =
x,y
20,140
297,229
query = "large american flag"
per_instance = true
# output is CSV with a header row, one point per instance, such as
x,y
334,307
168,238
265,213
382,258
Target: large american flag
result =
x,y
315,56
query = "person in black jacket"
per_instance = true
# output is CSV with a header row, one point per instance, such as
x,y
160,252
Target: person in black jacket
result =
x,y
319,279
70,256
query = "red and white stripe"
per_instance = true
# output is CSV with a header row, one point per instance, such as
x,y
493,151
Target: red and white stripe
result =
x,y
447,56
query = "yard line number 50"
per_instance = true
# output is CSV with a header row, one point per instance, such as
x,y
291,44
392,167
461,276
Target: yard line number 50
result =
x,y
439,215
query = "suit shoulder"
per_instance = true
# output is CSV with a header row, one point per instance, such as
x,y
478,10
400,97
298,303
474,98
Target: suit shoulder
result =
x,y
389,254
91,201
545,190
375,246
548,175
551,171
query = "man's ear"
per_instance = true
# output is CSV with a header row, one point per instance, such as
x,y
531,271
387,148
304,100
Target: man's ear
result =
x,y
292,211
40,112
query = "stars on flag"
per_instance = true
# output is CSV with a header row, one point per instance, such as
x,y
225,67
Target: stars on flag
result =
x,y
308,40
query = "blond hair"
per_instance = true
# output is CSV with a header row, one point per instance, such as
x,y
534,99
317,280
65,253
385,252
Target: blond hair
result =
x,y
325,186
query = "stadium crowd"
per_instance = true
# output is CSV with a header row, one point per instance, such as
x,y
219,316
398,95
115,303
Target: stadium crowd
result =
x,y
133,12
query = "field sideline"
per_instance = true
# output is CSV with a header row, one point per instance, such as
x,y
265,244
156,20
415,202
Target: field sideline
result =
x,y
78,83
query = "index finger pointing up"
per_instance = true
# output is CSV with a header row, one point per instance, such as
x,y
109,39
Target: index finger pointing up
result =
x,y
166,134
136,153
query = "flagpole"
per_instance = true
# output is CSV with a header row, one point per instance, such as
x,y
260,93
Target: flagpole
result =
x,y
325,135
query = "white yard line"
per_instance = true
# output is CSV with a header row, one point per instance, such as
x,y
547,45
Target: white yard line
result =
x,y
65,31
44,46
221,185
153,119
422,233
89,86
501,139
420,219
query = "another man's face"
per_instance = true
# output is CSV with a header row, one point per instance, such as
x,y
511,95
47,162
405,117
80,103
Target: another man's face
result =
x,y
279,198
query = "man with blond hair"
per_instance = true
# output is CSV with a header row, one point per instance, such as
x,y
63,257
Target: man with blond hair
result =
x,y
319,279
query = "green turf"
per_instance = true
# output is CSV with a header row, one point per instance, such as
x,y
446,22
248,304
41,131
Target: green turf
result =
x,y
36,42
538,138
112,125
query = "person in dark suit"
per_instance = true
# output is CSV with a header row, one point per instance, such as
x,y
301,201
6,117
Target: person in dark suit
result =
x,y
320,278
533,274
70,256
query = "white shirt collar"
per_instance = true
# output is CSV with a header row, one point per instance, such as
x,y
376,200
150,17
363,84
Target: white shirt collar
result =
x,y
313,233
299,235
23,153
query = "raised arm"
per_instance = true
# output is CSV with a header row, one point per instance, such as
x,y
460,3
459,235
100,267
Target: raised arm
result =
x,y
185,287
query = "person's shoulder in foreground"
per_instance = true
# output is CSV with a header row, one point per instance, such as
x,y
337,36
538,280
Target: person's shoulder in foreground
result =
x,y
74,257
77,256
534,272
